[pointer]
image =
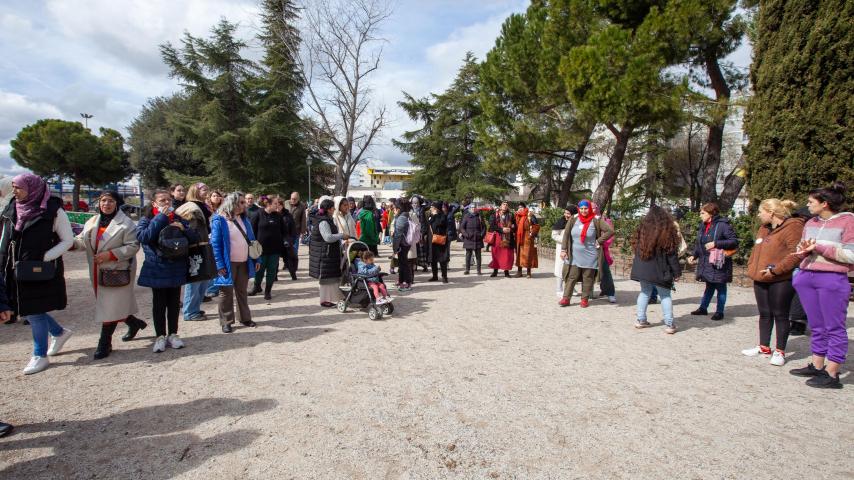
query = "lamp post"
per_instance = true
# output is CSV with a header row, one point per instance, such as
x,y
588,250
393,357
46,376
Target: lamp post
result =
x,y
86,118
308,166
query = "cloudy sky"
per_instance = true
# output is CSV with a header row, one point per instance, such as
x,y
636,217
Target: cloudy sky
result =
x,y
64,57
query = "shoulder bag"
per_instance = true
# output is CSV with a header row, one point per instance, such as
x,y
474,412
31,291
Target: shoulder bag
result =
x,y
255,249
113,278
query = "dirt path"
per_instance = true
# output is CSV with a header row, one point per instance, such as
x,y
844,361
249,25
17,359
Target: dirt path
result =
x,y
482,378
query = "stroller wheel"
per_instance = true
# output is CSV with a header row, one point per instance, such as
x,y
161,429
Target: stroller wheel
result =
x,y
342,306
374,313
388,309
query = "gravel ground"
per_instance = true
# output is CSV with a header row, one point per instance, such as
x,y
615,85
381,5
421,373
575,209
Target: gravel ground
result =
x,y
481,378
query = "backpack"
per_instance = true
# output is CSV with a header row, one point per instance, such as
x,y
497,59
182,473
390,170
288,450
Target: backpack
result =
x,y
172,244
413,235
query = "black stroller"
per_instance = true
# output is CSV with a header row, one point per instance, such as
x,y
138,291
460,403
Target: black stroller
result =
x,y
356,290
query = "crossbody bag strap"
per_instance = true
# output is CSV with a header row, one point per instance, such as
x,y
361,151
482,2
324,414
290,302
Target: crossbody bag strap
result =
x,y
245,237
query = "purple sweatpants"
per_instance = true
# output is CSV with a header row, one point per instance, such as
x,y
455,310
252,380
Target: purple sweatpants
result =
x,y
824,296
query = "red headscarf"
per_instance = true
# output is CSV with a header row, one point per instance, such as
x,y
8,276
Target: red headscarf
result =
x,y
521,223
586,219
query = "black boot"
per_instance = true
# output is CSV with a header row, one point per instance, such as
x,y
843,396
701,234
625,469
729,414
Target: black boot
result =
x,y
256,289
507,273
267,289
134,326
105,343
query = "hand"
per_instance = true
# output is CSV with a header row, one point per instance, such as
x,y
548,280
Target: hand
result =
x,y
692,260
6,316
178,225
806,246
506,230
710,245
222,272
563,255
766,274
346,237
102,257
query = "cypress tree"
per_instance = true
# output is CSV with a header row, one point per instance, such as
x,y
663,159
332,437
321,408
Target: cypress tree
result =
x,y
799,119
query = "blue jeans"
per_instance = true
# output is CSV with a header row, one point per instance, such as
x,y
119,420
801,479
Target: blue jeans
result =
x,y
193,293
211,290
666,302
43,324
707,296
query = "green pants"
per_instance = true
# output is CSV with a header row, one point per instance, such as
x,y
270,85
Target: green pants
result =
x,y
268,264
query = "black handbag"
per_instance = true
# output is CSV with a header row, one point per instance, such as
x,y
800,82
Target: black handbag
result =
x,y
34,271
202,264
113,278
172,244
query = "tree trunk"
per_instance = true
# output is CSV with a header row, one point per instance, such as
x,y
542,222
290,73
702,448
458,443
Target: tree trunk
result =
x,y
566,187
75,193
715,140
605,190
732,187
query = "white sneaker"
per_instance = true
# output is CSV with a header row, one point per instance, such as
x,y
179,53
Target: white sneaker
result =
x,y
175,341
753,352
612,299
159,344
56,343
778,359
36,365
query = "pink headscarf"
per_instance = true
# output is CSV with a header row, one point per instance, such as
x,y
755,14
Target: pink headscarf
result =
x,y
606,247
36,202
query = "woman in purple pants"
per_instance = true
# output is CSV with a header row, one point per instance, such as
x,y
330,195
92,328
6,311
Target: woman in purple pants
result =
x,y
827,253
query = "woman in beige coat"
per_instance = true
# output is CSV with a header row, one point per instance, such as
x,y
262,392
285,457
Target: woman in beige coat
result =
x,y
109,239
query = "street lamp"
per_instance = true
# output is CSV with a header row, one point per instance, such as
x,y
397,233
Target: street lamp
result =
x,y
308,165
86,118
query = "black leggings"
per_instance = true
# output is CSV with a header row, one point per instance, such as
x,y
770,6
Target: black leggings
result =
x,y
164,303
404,272
774,301
476,253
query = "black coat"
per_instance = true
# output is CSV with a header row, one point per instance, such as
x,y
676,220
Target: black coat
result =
x,y
324,258
722,233
472,231
269,229
35,239
439,226
661,270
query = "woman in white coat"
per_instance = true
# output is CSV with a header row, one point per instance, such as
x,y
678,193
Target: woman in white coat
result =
x,y
557,235
109,239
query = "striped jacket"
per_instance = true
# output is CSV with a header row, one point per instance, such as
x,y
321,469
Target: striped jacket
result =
x,y
834,250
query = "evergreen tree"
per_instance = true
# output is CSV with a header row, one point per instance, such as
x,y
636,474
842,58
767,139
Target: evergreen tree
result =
x,y
799,119
444,147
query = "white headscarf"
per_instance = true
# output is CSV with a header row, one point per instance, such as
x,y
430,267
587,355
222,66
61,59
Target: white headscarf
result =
x,y
345,223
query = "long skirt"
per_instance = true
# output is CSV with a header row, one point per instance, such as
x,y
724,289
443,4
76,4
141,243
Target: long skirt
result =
x,y
502,257
329,291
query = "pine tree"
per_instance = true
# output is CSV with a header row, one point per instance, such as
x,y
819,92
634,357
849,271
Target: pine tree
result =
x,y
444,147
799,119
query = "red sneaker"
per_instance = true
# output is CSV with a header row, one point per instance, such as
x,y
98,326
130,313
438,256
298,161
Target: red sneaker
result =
x,y
564,302
584,303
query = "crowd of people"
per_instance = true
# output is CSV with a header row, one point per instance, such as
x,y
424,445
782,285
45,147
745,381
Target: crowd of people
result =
x,y
229,246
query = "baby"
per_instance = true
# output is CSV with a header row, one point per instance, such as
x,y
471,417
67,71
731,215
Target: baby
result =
x,y
366,267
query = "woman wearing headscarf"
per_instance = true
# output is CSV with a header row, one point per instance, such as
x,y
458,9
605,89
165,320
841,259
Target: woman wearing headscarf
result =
x,y
527,230
420,253
439,253
36,229
581,249
557,235
109,240
164,276
231,234
342,218
472,230
503,241
606,279
369,225
324,260
195,211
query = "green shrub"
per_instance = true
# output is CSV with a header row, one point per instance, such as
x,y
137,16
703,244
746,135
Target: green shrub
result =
x,y
547,217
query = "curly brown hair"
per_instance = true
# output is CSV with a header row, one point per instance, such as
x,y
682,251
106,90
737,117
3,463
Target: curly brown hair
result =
x,y
656,234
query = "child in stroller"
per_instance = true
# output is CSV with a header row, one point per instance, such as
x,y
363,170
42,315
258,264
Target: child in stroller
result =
x,y
364,284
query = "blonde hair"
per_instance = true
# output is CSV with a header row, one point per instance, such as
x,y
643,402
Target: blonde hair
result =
x,y
778,208
193,193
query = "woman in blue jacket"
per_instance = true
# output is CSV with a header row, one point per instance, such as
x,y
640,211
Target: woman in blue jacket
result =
x,y
231,234
715,235
164,276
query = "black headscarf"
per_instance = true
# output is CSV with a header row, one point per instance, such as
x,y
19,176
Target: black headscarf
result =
x,y
560,224
104,220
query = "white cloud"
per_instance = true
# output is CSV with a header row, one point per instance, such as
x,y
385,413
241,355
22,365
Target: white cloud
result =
x,y
19,110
